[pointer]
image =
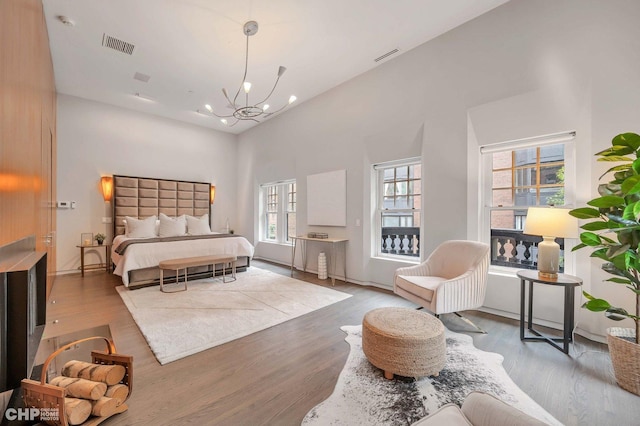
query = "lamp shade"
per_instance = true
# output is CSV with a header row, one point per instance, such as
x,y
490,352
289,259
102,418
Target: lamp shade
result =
x,y
551,222
213,194
107,187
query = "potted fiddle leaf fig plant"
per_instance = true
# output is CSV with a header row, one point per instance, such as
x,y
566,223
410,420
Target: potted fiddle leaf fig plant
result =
x,y
613,234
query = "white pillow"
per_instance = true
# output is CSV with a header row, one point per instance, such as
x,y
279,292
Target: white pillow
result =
x,y
198,225
172,227
126,227
137,228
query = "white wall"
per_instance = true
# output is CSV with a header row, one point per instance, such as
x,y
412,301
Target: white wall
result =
x,y
96,139
570,64
541,112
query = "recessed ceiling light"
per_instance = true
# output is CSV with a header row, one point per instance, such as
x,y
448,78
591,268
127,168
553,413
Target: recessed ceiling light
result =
x,y
66,20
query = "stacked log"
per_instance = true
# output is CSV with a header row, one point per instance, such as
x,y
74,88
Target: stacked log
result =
x,y
80,388
104,407
77,410
118,392
92,389
109,374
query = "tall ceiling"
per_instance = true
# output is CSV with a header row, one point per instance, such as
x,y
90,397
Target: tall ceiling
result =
x,y
191,49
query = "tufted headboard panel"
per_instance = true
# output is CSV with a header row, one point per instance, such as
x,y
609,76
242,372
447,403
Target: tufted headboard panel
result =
x,y
143,197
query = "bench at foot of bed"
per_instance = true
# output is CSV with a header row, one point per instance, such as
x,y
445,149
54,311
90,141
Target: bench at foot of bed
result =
x,y
188,262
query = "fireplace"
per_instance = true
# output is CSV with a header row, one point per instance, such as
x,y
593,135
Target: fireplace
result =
x,y
23,274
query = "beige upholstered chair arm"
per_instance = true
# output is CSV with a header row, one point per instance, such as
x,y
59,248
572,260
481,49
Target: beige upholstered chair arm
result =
x,y
422,269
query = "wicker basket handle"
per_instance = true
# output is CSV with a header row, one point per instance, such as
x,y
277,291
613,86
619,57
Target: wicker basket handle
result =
x,y
110,346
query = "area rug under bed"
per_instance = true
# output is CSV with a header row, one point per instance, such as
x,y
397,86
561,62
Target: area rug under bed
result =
x,y
211,312
362,395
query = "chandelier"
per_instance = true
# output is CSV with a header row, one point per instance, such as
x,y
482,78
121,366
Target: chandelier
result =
x,y
243,111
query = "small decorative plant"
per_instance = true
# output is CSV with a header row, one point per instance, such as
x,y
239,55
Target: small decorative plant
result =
x,y
614,230
99,238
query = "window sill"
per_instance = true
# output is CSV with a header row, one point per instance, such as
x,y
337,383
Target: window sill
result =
x,y
276,243
503,271
398,259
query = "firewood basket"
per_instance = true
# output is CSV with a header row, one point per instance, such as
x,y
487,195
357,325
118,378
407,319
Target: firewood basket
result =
x,y
42,395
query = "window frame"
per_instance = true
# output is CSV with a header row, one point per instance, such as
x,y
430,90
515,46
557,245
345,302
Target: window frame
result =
x,y
379,209
282,210
486,189
291,206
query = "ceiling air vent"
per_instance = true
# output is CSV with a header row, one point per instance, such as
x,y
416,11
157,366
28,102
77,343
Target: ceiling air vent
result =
x,y
386,55
116,44
141,77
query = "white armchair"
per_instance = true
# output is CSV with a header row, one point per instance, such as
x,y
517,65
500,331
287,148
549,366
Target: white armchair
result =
x,y
452,279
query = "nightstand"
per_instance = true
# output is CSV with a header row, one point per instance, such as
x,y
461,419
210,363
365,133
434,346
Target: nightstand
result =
x,y
106,265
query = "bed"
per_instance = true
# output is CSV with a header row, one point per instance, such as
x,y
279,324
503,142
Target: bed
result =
x,y
136,259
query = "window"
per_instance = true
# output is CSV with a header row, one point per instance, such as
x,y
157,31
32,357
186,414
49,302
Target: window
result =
x,y
397,224
291,209
518,175
278,211
271,219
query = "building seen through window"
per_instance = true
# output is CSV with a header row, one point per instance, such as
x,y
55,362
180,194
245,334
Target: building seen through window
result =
x,y
523,178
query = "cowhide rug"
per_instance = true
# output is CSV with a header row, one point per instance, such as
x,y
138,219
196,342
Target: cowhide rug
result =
x,y
363,396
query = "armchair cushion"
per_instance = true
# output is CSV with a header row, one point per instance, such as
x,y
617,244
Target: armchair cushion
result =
x,y
421,286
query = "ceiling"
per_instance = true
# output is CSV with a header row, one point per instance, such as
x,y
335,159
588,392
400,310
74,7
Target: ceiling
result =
x,y
191,49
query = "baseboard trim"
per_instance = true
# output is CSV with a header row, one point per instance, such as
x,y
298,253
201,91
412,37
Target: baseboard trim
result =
x,y
69,272
545,323
338,277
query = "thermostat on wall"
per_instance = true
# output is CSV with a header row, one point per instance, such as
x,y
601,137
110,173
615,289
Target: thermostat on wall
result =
x,y
64,204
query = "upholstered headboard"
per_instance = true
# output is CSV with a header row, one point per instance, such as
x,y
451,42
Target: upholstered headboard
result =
x,y
143,197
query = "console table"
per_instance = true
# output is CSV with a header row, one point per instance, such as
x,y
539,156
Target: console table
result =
x,y
333,242
107,263
569,282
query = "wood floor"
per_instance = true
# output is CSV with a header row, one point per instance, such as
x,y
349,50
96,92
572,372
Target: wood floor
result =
x,y
276,376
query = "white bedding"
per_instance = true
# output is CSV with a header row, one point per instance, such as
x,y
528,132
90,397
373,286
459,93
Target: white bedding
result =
x,y
148,255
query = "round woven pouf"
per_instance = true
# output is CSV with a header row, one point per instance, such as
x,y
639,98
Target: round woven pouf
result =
x,y
404,341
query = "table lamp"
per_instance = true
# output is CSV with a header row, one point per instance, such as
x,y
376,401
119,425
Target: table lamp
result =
x,y
550,223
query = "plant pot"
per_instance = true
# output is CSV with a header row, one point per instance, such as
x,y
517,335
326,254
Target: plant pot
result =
x,y
625,357
100,242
